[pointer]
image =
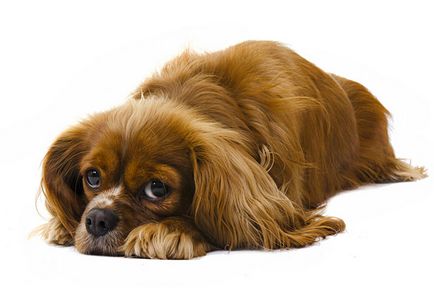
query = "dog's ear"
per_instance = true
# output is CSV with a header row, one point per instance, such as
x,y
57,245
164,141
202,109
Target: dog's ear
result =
x,y
237,203
61,182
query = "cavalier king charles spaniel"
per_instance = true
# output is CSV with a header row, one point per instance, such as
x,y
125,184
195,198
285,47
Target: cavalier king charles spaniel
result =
x,y
234,149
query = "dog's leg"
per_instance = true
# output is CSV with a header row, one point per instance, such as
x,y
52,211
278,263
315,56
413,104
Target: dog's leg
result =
x,y
400,171
172,238
377,162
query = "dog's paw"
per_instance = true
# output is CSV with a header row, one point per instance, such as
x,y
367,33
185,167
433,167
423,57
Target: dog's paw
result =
x,y
55,233
170,239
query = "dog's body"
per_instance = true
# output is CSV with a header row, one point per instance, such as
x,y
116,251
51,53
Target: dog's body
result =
x,y
250,140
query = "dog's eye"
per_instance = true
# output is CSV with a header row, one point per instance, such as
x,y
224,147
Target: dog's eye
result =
x,y
93,179
154,190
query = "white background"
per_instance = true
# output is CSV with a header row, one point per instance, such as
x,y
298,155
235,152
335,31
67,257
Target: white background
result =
x,y
60,61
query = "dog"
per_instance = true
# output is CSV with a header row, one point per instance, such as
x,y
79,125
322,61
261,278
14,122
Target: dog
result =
x,y
239,148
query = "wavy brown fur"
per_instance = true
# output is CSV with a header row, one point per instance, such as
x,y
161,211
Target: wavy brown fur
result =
x,y
259,139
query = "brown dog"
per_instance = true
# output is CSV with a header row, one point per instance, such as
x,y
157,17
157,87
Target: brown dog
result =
x,y
233,149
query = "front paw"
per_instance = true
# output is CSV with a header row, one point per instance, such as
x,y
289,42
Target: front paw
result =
x,y
170,239
54,232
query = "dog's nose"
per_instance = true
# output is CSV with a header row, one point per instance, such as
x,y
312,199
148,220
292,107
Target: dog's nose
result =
x,y
100,221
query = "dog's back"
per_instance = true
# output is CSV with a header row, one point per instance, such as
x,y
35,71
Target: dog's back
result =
x,y
324,133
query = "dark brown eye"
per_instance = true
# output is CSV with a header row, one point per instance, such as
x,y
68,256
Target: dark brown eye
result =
x,y
93,178
154,190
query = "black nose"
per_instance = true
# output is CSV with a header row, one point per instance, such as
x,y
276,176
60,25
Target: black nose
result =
x,y
100,221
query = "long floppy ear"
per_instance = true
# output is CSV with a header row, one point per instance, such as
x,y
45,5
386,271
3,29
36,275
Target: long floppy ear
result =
x,y
61,182
237,203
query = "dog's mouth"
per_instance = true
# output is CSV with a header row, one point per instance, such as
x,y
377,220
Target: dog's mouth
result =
x,y
103,248
104,243
101,232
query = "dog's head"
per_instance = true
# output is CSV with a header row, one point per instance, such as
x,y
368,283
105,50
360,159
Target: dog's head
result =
x,y
118,170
